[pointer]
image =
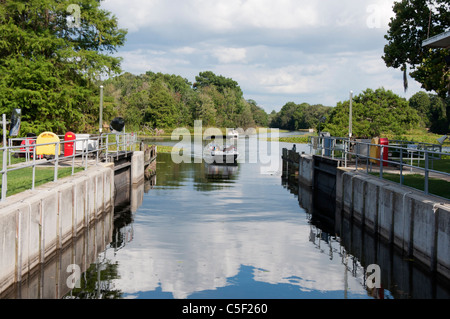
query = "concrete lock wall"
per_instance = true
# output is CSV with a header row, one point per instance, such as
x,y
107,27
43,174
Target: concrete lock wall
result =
x,y
418,224
306,170
137,167
36,223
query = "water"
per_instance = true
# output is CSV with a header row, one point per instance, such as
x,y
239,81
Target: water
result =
x,y
242,237
205,231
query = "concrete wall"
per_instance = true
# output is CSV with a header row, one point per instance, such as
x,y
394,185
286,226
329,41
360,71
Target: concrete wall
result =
x,y
36,223
137,167
306,170
416,223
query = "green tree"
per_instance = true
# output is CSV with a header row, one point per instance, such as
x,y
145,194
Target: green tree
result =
x,y
414,22
260,116
208,78
374,113
49,67
160,110
432,110
205,110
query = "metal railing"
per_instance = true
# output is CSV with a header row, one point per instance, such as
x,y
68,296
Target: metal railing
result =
x,y
95,147
397,156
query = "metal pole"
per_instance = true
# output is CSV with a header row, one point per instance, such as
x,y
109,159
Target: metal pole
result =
x,y
4,176
55,175
401,166
100,124
34,169
426,172
350,115
381,161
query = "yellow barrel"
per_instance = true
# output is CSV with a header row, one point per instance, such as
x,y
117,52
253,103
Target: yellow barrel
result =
x,y
374,150
47,137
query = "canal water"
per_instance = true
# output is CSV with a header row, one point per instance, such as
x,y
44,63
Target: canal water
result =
x,y
204,231
200,231
207,231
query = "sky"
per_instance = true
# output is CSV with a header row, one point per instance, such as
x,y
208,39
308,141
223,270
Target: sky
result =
x,y
278,51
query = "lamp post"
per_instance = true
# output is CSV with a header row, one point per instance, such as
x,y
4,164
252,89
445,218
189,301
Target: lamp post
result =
x,y
350,120
100,124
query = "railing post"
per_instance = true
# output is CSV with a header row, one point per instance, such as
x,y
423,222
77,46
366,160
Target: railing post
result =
x,y
5,158
55,175
73,157
86,144
33,178
367,158
426,172
381,161
106,148
401,166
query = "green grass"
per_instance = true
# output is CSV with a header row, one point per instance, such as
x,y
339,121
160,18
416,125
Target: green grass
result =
x,y
164,149
437,187
21,180
418,135
442,165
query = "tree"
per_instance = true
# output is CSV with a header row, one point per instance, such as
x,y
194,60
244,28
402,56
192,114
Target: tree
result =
x,y
299,116
208,78
374,113
259,115
432,110
160,108
49,67
414,22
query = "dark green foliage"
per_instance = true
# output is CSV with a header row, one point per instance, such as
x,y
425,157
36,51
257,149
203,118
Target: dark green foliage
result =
x,y
156,100
414,22
433,111
299,116
48,68
374,113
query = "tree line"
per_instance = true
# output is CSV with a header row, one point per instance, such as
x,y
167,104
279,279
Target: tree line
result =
x,y
374,112
157,100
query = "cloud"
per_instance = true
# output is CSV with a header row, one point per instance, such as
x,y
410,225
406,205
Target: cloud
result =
x,y
229,55
278,51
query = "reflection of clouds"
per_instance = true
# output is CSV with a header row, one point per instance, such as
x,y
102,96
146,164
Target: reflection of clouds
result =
x,y
187,241
188,257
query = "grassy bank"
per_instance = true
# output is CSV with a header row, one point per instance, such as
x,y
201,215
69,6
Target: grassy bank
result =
x,y
21,180
435,186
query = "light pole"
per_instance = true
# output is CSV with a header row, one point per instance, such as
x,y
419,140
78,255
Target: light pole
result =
x,y
100,124
350,116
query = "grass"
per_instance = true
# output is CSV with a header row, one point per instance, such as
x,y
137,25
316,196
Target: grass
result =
x,y
21,180
166,149
442,165
418,135
437,187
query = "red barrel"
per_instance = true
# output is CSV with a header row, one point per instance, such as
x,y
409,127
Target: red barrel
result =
x,y
68,146
385,141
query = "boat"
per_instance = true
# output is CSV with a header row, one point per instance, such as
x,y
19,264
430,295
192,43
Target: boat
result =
x,y
232,133
219,152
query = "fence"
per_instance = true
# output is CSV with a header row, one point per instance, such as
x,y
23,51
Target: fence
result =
x,y
99,147
395,156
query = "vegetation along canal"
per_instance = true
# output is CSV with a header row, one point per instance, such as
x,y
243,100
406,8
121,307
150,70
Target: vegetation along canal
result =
x,y
204,231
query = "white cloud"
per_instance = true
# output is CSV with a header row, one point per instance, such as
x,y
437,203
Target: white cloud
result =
x,y
230,55
278,51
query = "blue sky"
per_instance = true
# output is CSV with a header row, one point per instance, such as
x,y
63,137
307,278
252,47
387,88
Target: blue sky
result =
x,y
278,51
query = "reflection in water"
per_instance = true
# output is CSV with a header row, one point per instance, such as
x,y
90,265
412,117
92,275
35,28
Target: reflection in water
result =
x,y
50,280
195,237
219,172
400,277
205,232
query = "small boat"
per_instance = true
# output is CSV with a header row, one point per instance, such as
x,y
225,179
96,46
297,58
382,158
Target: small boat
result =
x,y
233,133
218,152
